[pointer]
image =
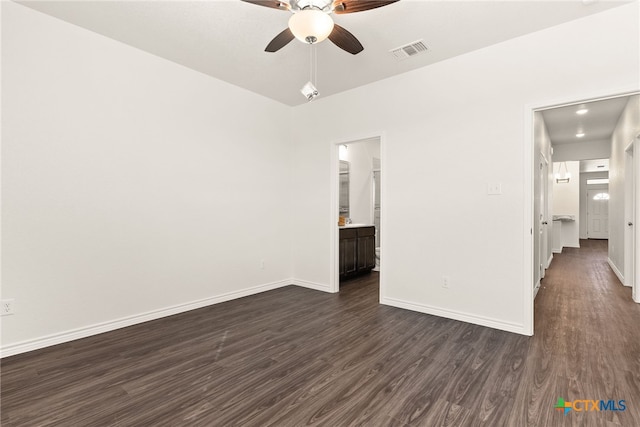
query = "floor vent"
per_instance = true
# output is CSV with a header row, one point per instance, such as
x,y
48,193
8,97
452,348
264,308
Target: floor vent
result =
x,y
409,50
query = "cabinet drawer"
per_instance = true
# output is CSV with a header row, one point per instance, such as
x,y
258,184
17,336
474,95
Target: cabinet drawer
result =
x,y
366,231
348,233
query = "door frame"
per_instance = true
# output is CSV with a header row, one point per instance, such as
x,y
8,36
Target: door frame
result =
x,y
334,243
635,188
373,197
530,172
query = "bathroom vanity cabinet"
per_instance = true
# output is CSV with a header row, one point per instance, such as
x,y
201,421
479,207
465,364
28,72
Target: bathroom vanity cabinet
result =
x,y
357,250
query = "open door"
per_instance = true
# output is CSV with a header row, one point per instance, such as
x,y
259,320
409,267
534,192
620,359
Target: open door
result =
x,y
547,222
630,216
540,230
544,221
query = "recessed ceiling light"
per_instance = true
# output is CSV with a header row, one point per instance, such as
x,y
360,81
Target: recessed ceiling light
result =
x,y
582,111
580,135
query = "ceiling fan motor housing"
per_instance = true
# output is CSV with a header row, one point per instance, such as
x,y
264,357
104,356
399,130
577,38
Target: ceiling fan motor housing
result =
x,y
311,21
323,5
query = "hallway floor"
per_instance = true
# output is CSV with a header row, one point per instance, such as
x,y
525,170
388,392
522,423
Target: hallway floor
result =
x,y
294,357
586,343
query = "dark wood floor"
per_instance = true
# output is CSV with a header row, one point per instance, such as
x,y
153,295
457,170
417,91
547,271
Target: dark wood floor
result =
x,y
294,356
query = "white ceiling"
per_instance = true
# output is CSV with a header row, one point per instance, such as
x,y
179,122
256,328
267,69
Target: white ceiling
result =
x,y
226,38
597,124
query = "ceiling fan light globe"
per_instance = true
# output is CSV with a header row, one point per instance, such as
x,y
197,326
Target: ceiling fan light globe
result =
x,y
309,24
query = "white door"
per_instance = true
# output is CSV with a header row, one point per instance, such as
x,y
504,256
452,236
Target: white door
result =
x,y
598,214
376,205
544,171
631,198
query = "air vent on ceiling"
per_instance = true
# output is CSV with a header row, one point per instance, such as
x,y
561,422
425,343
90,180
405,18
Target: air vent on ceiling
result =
x,y
409,50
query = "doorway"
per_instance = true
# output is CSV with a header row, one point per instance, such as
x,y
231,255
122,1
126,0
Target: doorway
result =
x,y
358,216
579,140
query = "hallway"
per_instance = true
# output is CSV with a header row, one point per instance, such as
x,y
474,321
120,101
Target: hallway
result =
x,y
586,343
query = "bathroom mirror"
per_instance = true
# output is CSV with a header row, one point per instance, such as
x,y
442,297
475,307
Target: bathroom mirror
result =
x,y
344,189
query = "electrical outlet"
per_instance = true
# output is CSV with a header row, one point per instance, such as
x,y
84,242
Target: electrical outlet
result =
x,y
494,188
445,281
6,307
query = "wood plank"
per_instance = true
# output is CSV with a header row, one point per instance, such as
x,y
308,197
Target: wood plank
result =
x,y
294,356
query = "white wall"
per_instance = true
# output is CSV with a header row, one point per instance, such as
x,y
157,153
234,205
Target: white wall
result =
x,y
584,150
130,184
566,201
627,128
448,130
583,198
360,156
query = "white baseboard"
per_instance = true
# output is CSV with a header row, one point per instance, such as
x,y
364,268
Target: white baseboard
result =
x,y
556,251
616,271
456,315
83,332
310,285
74,334
536,288
549,260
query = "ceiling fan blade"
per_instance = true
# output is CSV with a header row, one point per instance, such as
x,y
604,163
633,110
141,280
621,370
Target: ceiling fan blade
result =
x,y
352,6
345,40
280,41
275,4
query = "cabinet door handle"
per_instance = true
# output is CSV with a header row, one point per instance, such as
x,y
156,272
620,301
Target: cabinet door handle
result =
x,y
630,224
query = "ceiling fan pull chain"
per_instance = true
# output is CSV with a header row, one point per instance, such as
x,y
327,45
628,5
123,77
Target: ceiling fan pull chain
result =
x,y
311,63
309,90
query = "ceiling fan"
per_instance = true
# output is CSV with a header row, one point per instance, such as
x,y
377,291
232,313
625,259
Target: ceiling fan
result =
x,y
311,23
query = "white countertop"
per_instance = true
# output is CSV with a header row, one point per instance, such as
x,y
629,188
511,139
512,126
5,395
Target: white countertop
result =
x,y
355,225
564,218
